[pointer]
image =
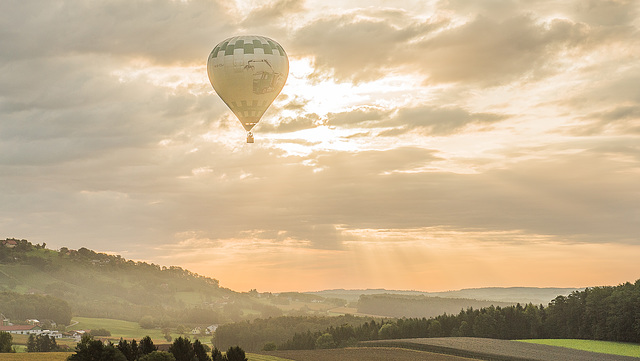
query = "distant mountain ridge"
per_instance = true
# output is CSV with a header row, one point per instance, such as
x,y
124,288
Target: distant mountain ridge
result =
x,y
523,295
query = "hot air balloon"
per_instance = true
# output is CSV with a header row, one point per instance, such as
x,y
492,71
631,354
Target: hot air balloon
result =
x,y
248,73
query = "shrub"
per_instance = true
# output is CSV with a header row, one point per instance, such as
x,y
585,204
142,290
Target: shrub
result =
x,y
158,356
100,332
270,346
147,322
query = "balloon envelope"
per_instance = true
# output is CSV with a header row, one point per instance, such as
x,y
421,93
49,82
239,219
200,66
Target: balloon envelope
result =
x,y
248,73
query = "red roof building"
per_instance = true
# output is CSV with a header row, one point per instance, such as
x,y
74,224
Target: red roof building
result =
x,y
22,329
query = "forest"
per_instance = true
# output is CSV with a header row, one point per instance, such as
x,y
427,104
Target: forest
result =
x,y
255,334
17,306
598,313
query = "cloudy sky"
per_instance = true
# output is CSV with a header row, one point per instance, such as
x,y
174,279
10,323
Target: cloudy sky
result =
x,y
428,145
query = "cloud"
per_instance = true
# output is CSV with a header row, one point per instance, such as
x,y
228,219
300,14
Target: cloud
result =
x,y
618,87
161,31
607,12
593,12
359,117
289,124
428,119
320,236
71,109
273,12
297,103
624,119
443,121
587,196
493,52
487,48
359,46
608,105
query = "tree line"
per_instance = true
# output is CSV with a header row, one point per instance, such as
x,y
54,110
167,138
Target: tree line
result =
x,y
182,349
599,313
21,307
42,343
255,334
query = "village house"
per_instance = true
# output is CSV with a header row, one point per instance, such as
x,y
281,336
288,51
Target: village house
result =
x,y
54,334
22,329
76,335
33,328
10,243
211,329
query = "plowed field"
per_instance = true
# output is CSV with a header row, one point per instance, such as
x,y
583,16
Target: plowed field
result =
x,y
365,354
501,350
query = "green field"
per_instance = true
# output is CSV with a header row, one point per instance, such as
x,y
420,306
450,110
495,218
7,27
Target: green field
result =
x,y
124,329
36,356
256,357
20,342
608,347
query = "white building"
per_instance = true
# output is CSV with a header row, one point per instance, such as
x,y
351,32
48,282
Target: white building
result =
x,y
22,329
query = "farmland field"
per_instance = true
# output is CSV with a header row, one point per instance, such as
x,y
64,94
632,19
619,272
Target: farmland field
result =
x,y
120,328
36,356
62,356
613,348
494,349
20,342
365,354
257,357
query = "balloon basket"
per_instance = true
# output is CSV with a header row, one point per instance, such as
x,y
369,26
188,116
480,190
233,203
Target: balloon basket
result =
x,y
249,138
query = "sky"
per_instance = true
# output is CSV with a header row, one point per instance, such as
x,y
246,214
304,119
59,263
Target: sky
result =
x,y
424,145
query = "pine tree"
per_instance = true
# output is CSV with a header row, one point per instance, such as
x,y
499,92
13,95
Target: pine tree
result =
x,y
31,344
216,355
235,354
146,346
200,352
182,349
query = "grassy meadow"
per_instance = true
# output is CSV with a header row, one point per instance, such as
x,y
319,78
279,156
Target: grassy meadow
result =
x,y
256,357
36,356
124,329
608,347
118,329
20,342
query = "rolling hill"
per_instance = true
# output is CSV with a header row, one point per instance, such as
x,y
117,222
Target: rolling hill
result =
x,y
521,295
101,285
109,286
